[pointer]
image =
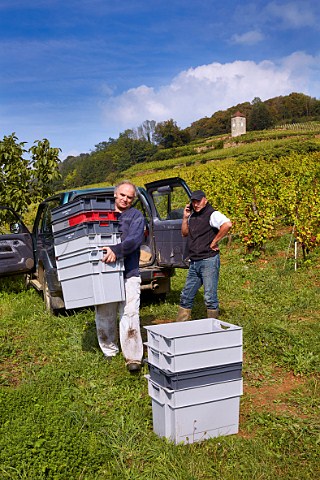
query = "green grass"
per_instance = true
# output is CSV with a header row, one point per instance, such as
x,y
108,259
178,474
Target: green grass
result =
x,y
67,414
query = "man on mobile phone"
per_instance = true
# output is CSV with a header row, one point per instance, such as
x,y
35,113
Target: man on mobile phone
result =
x,y
205,227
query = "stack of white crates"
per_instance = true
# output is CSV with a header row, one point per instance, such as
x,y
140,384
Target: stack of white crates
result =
x,y
80,229
195,379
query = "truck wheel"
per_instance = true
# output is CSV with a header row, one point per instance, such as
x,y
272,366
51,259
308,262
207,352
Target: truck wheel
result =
x,y
47,295
53,305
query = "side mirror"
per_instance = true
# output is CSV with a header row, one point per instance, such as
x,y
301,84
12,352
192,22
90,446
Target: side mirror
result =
x,y
15,227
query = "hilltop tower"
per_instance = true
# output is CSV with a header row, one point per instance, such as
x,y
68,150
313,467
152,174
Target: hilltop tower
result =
x,y
238,124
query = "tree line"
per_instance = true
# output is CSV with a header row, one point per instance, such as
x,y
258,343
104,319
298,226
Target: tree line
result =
x,y
24,180
158,141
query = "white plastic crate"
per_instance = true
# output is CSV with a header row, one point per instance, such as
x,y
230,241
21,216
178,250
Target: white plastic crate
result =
x,y
85,262
98,240
93,289
87,281
195,423
88,268
194,360
191,423
194,395
84,230
193,336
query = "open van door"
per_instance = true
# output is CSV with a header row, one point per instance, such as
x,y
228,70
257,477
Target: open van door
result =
x,y
168,199
16,246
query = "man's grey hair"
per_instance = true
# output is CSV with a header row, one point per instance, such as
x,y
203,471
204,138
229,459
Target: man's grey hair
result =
x,y
126,182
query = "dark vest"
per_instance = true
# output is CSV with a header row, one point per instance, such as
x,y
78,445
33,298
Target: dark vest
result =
x,y
201,234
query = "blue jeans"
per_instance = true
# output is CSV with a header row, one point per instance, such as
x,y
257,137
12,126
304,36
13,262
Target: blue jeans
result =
x,y
202,272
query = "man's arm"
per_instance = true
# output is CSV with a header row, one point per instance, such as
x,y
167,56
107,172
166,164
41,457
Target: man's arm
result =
x,y
185,224
223,231
132,241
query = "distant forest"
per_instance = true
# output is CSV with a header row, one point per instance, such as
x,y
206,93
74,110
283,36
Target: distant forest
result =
x,y
159,141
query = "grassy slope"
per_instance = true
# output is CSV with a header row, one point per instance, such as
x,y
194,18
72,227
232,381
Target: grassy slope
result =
x,y
67,414
249,146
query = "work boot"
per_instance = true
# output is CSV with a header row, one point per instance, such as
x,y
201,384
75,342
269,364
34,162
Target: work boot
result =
x,y
134,366
184,314
213,313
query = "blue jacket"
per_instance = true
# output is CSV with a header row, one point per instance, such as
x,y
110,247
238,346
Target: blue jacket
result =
x,y
131,226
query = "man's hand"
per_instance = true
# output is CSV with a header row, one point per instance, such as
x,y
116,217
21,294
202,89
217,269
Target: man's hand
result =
x,y
109,256
186,214
214,246
224,229
187,211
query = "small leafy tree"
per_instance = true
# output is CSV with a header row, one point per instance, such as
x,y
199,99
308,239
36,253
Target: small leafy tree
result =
x,y
23,180
167,134
260,117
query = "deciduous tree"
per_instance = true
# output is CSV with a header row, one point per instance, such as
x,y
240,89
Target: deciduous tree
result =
x,y
23,180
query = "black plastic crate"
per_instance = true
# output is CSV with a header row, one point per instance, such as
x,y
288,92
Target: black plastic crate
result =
x,y
195,378
103,203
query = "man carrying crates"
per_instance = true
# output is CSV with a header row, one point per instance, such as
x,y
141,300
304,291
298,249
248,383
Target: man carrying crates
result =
x,y
131,226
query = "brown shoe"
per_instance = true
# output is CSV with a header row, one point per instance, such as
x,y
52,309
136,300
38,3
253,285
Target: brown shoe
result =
x,y
134,367
213,313
184,314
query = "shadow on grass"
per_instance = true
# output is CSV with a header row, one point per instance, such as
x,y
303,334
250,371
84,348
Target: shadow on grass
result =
x,y
150,317
89,338
14,284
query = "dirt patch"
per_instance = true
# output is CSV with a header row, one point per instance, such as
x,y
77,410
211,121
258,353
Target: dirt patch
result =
x,y
270,395
145,172
282,230
12,369
159,321
310,317
10,374
132,333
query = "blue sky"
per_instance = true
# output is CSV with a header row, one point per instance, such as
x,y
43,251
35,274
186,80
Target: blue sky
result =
x,y
80,71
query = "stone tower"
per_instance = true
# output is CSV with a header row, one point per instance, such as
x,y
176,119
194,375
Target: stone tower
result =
x,y
238,124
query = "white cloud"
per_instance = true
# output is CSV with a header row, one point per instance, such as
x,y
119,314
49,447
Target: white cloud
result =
x,y
305,69
70,153
249,38
107,89
201,91
293,14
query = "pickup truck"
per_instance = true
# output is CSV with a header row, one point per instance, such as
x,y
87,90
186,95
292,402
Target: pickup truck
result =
x,y
164,249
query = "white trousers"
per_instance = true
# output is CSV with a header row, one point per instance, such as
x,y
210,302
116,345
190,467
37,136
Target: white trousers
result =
x,y
129,326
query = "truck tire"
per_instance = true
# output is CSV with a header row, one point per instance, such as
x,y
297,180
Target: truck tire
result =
x,y
46,294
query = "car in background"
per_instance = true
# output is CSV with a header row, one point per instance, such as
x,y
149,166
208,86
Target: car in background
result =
x,y
163,249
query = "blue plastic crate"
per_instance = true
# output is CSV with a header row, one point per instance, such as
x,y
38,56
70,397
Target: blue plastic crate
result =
x,y
195,378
